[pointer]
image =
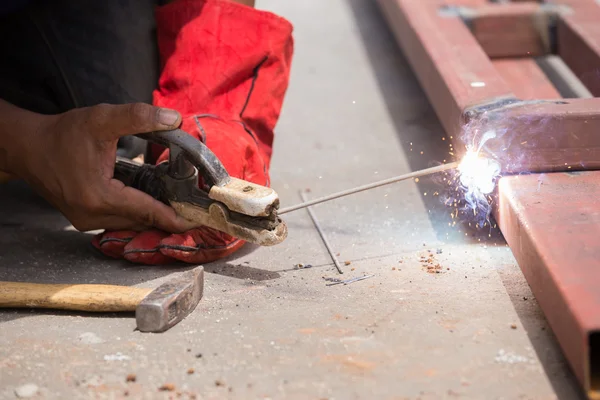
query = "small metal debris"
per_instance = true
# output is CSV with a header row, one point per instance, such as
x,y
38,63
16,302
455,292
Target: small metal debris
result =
x,y
219,382
131,378
513,326
199,355
167,387
347,262
322,234
190,371
26,391
347,281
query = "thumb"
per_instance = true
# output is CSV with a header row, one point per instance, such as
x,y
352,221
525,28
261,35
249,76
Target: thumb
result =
x,y
134,118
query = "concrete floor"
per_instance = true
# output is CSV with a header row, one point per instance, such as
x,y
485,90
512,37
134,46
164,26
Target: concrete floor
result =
x,y
267,330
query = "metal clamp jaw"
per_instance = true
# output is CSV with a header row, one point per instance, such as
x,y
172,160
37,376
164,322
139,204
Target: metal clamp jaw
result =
x,y
196,184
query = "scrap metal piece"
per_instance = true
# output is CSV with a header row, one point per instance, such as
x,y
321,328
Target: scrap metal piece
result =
x,y
351,280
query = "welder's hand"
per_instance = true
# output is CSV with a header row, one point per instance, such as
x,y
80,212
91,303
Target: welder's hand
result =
x,y
70,161
240,154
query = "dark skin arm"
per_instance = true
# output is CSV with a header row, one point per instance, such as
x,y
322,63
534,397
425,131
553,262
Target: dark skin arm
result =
x,y
69,159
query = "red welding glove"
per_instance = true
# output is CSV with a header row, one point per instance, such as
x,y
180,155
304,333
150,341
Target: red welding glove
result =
x,y
225,67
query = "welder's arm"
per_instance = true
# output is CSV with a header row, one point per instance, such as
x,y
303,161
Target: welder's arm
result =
x,y
69,159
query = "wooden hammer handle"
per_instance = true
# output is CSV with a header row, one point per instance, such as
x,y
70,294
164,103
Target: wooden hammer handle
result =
x,y
94,298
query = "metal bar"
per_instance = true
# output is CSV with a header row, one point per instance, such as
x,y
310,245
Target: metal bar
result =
x,y
513,30
526,78
411,175
322,234
552,225
565,81
579,41
541,136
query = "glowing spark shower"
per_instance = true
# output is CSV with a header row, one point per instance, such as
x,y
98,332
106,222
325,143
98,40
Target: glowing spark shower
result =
x,y
470,187
477,173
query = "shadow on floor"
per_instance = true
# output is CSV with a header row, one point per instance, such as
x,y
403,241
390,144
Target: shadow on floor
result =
x,y
542,339
412,114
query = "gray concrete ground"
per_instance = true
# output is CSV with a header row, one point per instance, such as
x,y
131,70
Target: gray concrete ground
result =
x,y
268,330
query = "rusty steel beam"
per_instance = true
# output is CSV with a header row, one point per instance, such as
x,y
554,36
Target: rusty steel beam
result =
x,y
512,30
540,136
523,29
552,225
579,42
525,78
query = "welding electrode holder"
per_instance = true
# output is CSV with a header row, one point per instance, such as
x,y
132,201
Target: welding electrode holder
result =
x,y
196,184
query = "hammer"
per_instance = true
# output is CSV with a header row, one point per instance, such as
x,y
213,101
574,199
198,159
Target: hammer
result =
x,y
156,310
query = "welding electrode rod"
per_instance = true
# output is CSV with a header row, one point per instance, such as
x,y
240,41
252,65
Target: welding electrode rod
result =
x,y
322,234
415,174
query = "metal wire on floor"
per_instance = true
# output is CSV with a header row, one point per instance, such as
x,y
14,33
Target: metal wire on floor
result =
x,y
323,238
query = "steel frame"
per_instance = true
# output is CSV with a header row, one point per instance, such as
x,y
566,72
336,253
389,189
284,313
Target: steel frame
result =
x,y
473,60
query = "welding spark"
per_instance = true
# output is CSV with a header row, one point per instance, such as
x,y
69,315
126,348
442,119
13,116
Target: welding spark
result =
x,y
478,173
469,189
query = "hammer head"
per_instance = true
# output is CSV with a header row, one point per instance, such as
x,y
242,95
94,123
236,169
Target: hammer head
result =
x,y
170,302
